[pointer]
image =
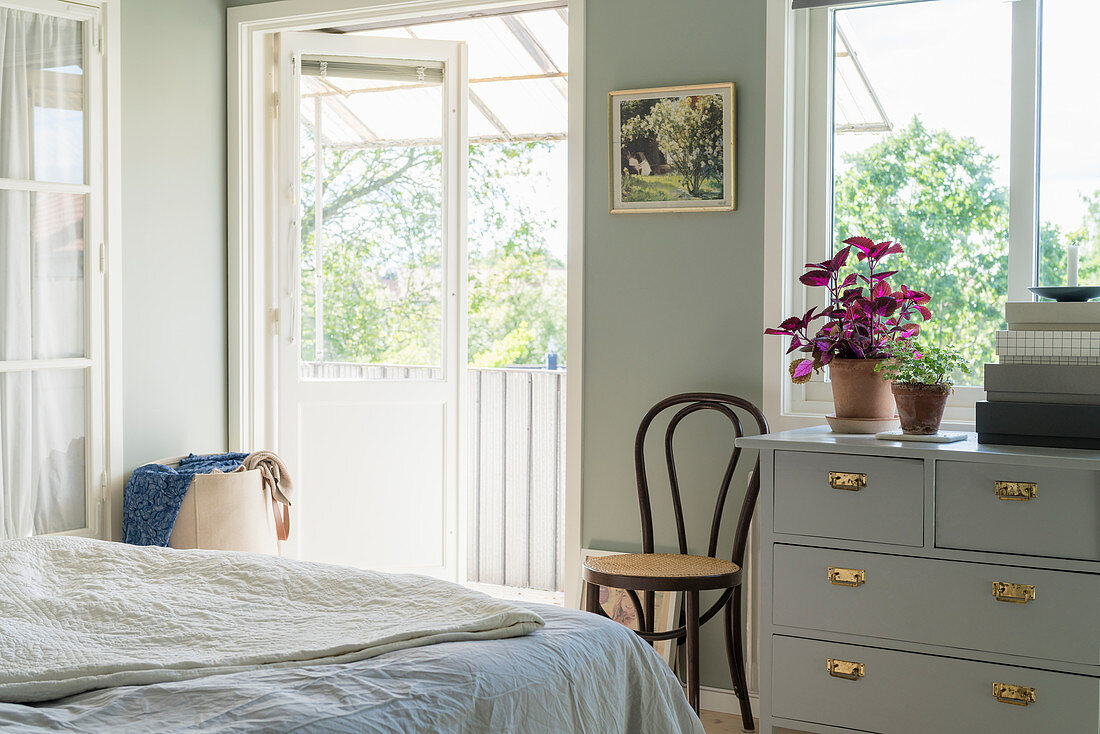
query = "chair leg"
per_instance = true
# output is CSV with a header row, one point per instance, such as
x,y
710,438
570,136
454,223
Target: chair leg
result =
x,y
650,611
693,649
735,655
592,597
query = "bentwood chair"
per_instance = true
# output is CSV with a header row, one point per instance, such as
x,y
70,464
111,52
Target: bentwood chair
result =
x,y
650,572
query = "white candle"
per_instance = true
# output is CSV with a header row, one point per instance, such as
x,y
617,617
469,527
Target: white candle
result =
x,y
1071,270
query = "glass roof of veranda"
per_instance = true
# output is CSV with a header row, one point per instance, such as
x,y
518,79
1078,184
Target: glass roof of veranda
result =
x,y
518,69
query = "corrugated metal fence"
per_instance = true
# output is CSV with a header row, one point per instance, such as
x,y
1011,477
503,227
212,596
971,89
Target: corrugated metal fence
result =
x,y
517,477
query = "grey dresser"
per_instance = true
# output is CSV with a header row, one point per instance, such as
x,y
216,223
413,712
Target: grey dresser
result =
x,y
914,588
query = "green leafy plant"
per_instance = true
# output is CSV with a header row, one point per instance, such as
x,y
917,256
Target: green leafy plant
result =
x,y
913,363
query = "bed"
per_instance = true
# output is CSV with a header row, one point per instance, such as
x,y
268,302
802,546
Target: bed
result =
x,y
576,672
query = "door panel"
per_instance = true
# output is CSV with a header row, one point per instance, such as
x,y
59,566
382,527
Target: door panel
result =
x,y
386,509
373,352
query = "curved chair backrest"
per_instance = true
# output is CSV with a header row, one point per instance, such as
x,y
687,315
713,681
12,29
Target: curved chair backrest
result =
x,y
689,403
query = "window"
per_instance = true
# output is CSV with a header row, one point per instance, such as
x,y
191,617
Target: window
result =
x,y
52,433
1069,170
920,122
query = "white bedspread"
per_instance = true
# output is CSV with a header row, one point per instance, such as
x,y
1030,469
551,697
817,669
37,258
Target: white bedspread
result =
x,y
580,674
79,614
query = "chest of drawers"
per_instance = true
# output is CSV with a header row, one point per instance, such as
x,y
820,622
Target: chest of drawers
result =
x,y
911,588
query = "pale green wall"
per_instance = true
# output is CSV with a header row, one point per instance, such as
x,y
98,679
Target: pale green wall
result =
x,y
174,293
672,301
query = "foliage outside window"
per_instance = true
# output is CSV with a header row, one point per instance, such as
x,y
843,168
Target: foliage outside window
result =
x,y
937,180
382,284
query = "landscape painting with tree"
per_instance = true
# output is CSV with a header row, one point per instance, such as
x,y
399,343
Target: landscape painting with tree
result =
x,y
672,149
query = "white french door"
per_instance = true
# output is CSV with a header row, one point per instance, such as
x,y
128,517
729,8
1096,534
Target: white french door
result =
x,y
52,315
371,346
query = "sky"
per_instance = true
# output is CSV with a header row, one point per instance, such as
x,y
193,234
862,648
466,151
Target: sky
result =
x,y
950,62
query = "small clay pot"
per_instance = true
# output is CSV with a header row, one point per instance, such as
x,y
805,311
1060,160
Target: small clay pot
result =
x,y
920,407
859,391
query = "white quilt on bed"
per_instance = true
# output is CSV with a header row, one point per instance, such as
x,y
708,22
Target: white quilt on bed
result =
x,y
79,614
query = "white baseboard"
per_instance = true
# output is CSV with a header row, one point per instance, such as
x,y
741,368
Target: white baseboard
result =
x,y
723,701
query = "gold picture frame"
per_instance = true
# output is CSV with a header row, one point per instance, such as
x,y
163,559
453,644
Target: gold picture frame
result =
x,y
667,153
617,605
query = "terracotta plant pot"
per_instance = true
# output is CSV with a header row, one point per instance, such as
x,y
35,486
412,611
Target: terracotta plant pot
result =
x,y
920,407
859,391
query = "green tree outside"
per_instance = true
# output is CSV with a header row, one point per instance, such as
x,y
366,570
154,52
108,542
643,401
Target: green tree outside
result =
x,y
381,269
936,194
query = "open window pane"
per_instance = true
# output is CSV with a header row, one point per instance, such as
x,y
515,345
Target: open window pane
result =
x,y
930,169
41,275
41,97
372,273
42,452
1069,183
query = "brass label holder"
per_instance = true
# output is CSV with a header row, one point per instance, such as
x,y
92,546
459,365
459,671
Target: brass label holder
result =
x,y
1015,695
851,481
845,669
1014,593
846,576
1016,491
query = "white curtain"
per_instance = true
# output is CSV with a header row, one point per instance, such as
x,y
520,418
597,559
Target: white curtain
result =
x,y
42,486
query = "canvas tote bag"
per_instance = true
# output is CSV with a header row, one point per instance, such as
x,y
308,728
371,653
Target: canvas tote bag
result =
x,y
226,512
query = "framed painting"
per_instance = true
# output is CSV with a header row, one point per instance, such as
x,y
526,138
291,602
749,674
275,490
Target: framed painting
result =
x,y
673,149
617,605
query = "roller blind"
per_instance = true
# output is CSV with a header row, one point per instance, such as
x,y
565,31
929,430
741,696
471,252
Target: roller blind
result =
x,y
390,70
798,4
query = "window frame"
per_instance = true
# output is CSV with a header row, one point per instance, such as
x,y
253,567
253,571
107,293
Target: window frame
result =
x,y
799,199
102,337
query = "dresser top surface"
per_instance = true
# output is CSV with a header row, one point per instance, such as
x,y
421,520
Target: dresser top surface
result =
x,y
822,439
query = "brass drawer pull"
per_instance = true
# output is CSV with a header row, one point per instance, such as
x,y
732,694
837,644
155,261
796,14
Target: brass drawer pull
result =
x,y
852,481
844,669
847,576
1016,695
1015,593
1016,490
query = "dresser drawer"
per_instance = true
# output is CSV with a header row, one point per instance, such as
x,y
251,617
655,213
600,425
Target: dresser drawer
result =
x,y
1062,520
883,504
909,693
949,603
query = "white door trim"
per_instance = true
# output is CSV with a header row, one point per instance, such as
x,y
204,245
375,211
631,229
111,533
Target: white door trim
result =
x,y
574,400
252,291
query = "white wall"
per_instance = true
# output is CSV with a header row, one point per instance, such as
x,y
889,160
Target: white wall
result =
x,y
174,292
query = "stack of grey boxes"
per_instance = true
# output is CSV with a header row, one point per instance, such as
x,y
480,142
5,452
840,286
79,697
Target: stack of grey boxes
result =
x,y
1045,389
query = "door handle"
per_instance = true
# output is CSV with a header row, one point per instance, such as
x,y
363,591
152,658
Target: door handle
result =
x,y
852,481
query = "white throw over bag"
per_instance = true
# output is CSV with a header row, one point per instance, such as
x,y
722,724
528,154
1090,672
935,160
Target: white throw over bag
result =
x,y
232,511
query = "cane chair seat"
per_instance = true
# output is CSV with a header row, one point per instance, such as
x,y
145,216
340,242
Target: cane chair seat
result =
x,y
661,572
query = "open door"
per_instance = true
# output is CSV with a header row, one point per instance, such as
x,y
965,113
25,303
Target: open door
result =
x,y
372,345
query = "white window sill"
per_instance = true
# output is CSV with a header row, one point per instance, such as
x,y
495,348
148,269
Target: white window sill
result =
x,y
812,413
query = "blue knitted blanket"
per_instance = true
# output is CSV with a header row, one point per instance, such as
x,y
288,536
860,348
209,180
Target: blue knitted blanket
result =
x,y
155,492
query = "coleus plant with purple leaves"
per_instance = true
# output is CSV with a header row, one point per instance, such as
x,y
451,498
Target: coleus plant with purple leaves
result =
x,y
864,316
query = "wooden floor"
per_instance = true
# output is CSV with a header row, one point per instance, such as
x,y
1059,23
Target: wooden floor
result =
x,y
716,723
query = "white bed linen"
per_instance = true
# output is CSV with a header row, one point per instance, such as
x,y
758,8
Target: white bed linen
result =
x,y
580,673
78,614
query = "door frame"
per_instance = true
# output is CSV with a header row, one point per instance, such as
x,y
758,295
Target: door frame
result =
x,y
253,226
